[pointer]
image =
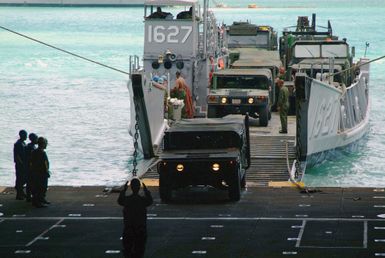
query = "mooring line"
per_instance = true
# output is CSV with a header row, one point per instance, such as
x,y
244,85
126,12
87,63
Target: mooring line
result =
x,y
65,51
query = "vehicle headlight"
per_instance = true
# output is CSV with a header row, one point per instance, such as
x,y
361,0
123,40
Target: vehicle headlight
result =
x,y
250,100
215,167
179,167
223,100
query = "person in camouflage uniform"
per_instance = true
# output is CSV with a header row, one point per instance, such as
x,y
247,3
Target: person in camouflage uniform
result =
x,y
283,106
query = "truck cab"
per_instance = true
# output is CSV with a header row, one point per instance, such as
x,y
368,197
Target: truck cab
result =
x,y
203,151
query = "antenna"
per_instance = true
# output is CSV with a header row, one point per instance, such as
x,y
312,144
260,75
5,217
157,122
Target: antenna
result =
x,y
366,47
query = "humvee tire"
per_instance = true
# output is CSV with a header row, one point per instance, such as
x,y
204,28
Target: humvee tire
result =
x,y
235,188
264,116
165,190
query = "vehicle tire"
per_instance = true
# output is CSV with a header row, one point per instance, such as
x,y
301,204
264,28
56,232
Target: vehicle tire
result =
x,y
264,116
165,190
235,188
211,112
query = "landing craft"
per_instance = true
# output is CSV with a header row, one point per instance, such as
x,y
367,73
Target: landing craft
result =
x,y
331,90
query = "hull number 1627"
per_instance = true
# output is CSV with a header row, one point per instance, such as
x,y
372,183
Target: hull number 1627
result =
x,y
171,34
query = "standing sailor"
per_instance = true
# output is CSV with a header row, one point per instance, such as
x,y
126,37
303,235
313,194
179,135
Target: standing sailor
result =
x,y
39,173
20,164
283,106
31,146
135,219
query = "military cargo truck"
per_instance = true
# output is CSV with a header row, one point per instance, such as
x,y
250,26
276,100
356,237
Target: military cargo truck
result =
x,y
203,151
248,84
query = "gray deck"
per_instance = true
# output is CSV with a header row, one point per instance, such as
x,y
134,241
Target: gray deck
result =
x,y
267,222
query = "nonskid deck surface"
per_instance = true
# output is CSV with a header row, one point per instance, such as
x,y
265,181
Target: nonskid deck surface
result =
x,y
268,152
267,222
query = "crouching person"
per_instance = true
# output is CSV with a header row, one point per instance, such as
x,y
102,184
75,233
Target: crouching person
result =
x,y
135,219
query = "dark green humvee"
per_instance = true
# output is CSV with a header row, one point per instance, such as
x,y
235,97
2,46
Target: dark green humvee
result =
x,y
203,151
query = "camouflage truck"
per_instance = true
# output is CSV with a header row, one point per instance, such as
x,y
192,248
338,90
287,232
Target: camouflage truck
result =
x,y
203,151
248,84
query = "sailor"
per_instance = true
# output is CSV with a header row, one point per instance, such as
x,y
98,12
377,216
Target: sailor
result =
x,y
19,158
283,106
159,14
182,91
31,146
39,168
135,219
185,14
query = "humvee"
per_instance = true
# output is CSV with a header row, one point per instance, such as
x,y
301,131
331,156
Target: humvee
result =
x,y
202,151
241,91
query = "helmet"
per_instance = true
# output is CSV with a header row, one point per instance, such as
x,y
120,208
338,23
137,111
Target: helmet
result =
x,y
155,78
164,77
160,80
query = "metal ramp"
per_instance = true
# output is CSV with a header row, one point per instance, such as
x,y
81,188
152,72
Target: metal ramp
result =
x,y
268,159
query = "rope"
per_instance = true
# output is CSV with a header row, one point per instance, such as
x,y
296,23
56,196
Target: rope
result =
x,y
300,187
65,51
356,66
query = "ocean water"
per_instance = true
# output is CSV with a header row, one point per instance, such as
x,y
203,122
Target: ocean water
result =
x,y
83,109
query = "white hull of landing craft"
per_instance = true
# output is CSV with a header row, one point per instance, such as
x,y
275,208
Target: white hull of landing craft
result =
x,y
335,117
154,102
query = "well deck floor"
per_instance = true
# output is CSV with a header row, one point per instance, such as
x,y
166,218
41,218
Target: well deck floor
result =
x,y
201,222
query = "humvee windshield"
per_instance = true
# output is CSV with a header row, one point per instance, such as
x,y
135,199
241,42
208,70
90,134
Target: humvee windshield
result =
x,y
242,82
259,40
202,140
321,51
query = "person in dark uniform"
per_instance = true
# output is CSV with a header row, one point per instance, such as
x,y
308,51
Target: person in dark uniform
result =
x,y
135,219
159,14
185,14
20,164
39,168
31,146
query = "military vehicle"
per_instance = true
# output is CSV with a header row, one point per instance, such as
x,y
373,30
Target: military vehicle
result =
x,y
251,90
213,152
247,35
241,91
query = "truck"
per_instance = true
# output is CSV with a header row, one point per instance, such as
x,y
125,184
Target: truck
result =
x,y
247,85
202,151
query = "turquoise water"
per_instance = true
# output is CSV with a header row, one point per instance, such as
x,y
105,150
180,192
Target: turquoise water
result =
x,y
83,109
